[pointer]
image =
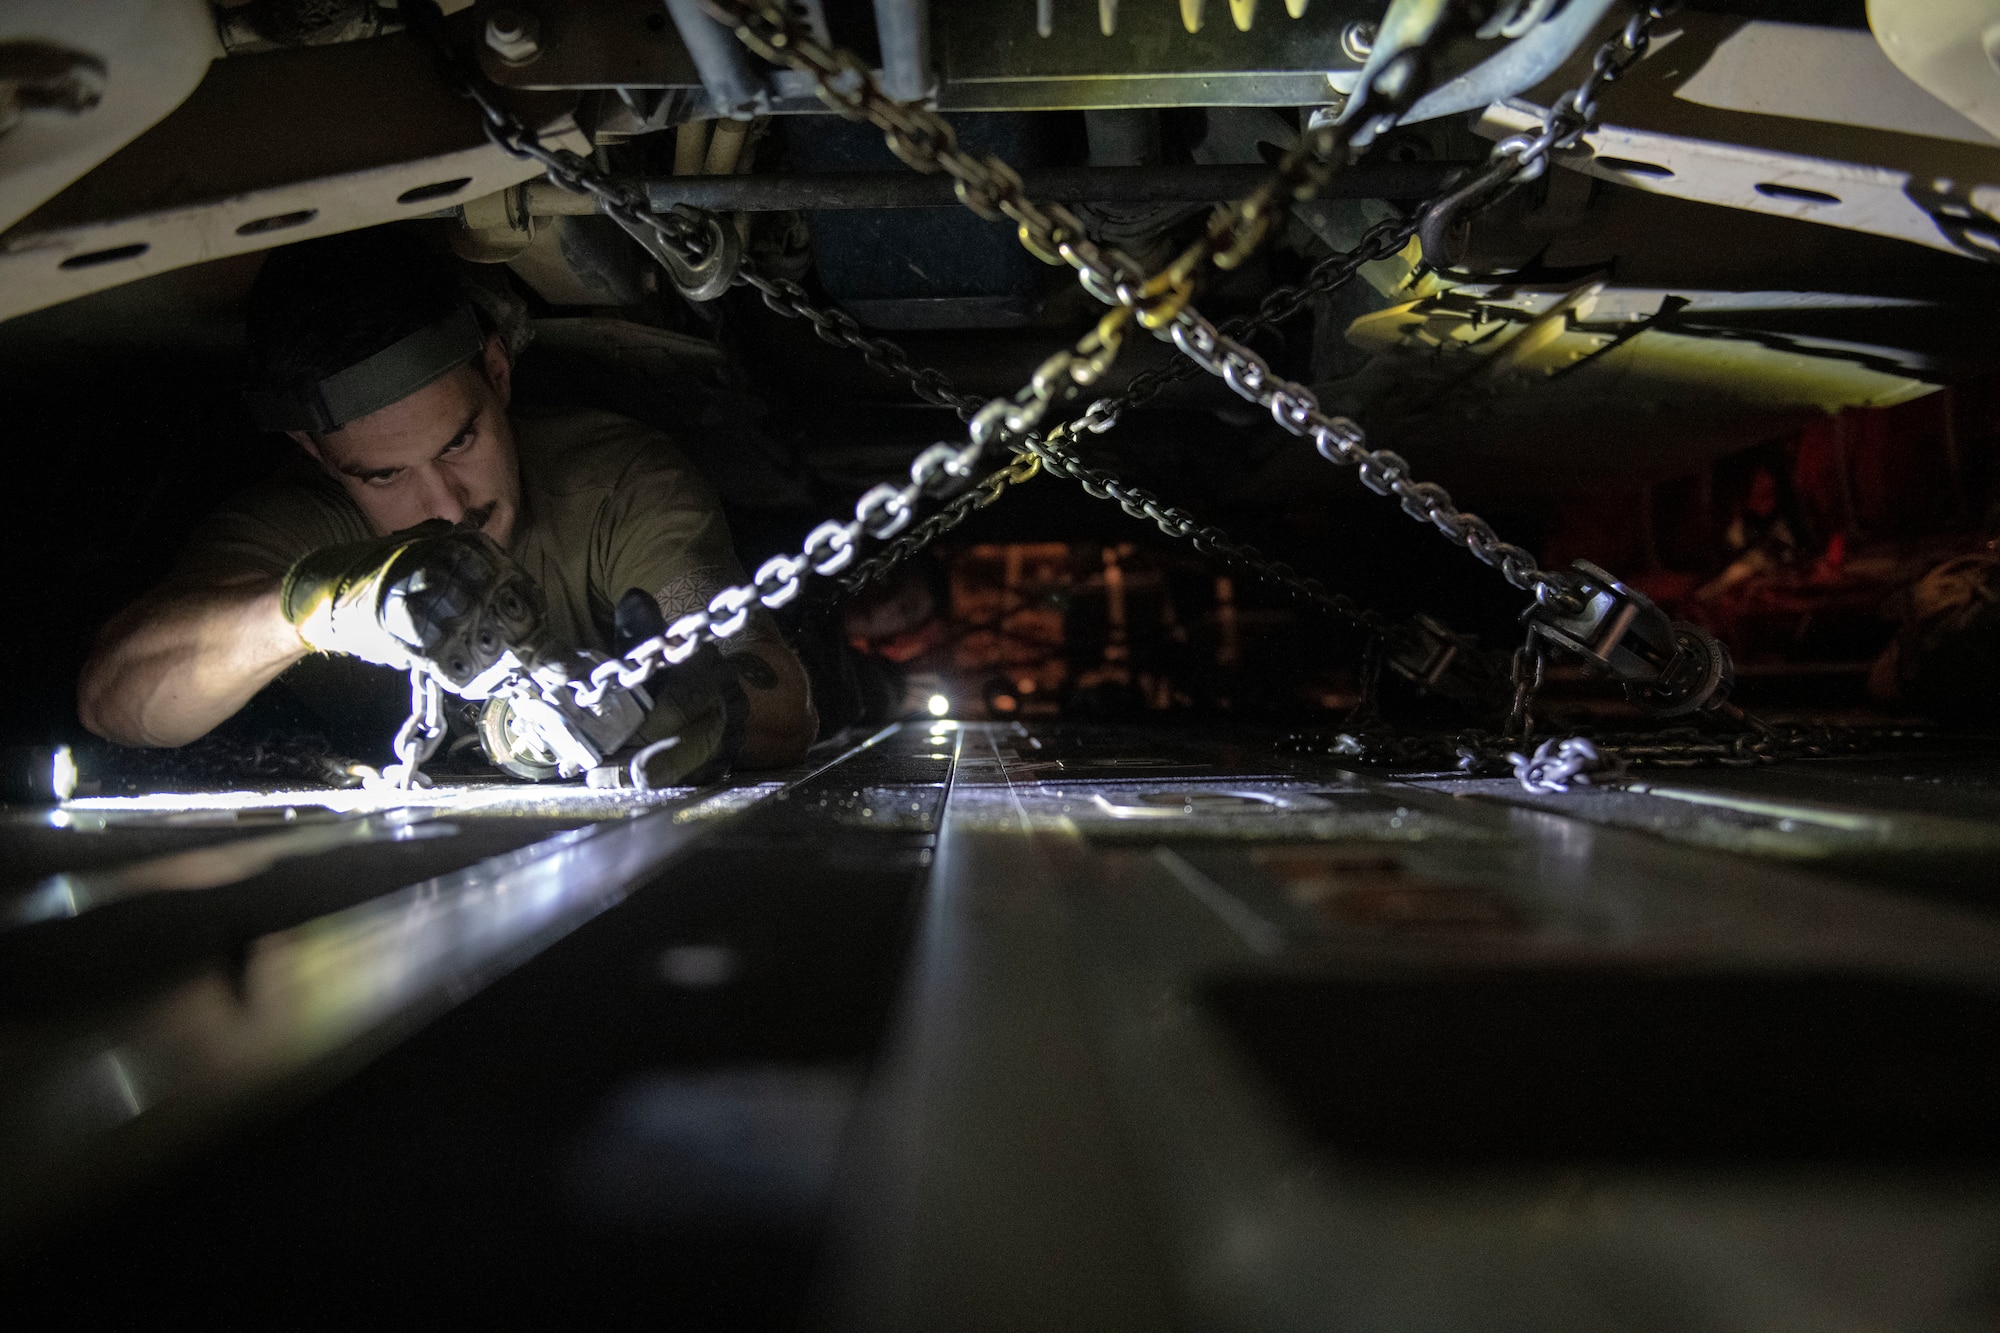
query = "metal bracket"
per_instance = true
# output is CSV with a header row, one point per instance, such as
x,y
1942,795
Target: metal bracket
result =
x,y
1437,660
1668,668
1698,678
532,731
712,276
1792,121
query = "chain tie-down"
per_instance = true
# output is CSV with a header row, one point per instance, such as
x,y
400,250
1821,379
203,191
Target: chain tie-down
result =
x,y
1162,302
1690,675
921,135
1206,346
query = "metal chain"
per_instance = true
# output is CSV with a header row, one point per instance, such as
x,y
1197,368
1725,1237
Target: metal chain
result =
x,y
1048,453
1206,538
1220,350
1159,302
1574,114
1381,241
983,496
882,513
1384,239
1526,676
991,188
1515,160
692,241
839,328
1525,157
421,733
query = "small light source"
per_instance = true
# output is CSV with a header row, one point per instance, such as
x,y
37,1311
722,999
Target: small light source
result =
x,y
36,774
939,705
62,773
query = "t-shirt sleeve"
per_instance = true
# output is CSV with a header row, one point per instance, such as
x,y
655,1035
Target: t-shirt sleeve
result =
x,y
665,532
264,529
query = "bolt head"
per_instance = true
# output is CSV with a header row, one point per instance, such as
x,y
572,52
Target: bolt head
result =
x,y
514,35
1357,39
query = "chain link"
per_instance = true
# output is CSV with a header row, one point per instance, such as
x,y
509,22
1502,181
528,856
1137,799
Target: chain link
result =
x,y
699,249
983,496
421,733
1520,158
839,328
1383,240
1525,672
1206,538
881,513
1575,113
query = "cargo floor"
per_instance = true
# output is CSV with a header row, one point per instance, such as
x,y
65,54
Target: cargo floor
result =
x,y
980,1026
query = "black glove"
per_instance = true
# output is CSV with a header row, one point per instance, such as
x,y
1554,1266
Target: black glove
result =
x,y
434,595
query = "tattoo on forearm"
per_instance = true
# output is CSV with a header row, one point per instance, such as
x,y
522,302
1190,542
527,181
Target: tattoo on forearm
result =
x,y
690,592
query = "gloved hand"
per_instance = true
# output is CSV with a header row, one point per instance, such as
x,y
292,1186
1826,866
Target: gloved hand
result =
x,y
701,702
434,595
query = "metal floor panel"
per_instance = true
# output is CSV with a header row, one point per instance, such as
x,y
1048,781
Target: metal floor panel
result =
x,y
1923,826
1000,1028
1359,1055
145,1027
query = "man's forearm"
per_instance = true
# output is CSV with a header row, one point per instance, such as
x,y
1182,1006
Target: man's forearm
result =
x,y
782,720
175,664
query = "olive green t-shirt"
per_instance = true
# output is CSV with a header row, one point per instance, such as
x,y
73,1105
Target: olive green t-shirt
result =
x,y
607,505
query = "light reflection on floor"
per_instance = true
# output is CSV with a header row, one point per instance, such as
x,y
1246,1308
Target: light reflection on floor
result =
x,y
202,1045
536,799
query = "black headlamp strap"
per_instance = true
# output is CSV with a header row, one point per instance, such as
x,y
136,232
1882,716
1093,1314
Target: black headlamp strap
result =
x,y
389,376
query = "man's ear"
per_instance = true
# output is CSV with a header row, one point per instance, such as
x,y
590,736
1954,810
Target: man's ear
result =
x,y
499,368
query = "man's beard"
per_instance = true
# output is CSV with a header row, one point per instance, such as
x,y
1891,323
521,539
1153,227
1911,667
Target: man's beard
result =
x,y
477,519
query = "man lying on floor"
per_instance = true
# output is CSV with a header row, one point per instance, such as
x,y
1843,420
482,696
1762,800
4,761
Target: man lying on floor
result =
x,y
539,535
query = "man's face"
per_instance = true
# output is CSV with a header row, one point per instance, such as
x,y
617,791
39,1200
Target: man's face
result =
x,y
446,451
